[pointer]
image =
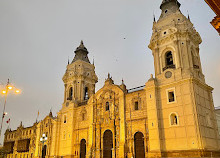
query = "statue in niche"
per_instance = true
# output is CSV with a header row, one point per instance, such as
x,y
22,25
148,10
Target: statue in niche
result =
x,y
195,59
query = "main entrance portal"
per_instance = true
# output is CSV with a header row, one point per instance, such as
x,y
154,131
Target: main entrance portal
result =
x,y
139,145
107,144
44,151
83,148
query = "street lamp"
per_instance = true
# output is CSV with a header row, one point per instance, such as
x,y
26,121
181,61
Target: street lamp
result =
x,y
9,87
43,139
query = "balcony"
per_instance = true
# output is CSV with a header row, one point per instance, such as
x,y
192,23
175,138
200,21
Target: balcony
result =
x,y
70,98
169,67
83,103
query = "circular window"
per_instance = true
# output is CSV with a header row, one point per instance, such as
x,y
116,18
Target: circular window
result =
x,y
168,74
166,11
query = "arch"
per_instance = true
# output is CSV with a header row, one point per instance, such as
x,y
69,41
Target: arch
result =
x,y
70,93
44,151
139,145
86,93
83,148
107,106
168,61
169,58
162,58
174,119
167,49
107,144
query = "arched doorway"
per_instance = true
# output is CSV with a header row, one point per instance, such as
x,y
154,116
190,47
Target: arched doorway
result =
x,y
44,151
107,144
139,145
83,148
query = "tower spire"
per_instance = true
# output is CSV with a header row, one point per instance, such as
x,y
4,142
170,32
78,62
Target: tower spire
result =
x,y
85,85
165,2
109,80
188,15
169,7
81,44
81,53
154,17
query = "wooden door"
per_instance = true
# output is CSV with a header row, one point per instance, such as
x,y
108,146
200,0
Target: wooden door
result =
x,y
139,145
44,151
83,148
107,144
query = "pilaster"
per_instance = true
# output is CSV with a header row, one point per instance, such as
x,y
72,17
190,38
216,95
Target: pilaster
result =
x,y
122,126
153,112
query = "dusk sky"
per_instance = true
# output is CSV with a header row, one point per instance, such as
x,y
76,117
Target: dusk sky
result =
x,y
38,36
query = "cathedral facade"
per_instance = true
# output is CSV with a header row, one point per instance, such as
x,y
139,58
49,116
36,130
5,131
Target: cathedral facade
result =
x,y
171,116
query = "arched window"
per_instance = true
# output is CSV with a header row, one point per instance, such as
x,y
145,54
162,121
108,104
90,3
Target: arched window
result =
x,y
107,108
136,105
86,94
70,93
169,61
169,58
174,119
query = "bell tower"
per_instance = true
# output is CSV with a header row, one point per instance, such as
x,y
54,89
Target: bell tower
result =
x,y
175,44
181,116
79,78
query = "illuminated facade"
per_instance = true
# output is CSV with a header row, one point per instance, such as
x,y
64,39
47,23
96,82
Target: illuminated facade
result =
x,y
171,116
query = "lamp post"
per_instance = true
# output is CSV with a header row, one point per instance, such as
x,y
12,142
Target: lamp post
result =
x,y
9,87
43,139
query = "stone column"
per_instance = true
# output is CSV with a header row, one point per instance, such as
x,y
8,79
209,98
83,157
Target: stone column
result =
x,y
65,89
157,63
74,89
177,57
